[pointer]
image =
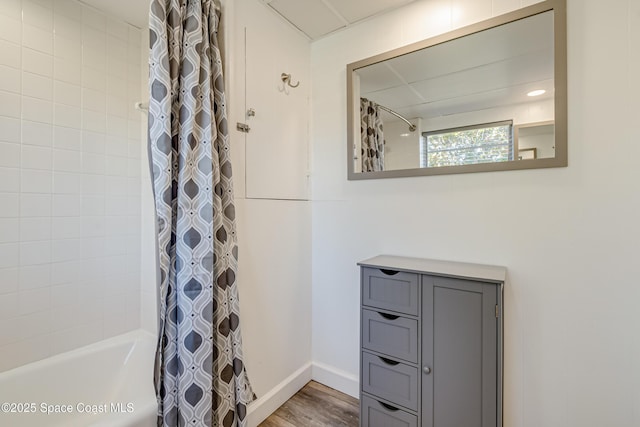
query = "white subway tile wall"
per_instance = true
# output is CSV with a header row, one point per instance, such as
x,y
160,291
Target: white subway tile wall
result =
x,y
70,145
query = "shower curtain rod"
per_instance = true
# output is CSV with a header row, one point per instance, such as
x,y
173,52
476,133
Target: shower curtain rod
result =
x,y
412,127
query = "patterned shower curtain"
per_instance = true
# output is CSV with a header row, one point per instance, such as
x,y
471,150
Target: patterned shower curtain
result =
x,y
199,375
372,136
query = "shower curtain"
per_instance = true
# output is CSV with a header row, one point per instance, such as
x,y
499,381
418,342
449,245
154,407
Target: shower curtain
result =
x,y
200,376
372,136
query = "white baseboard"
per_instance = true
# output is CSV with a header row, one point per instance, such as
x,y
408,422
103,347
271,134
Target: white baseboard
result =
x,y
265,405
336,379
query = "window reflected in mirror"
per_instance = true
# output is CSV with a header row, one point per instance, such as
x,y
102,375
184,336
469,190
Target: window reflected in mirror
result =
x,y
487,143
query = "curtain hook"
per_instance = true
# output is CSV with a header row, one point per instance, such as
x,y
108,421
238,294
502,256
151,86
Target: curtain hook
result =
x,y
286,78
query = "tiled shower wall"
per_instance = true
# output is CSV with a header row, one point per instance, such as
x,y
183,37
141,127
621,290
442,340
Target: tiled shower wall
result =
x,y
70,144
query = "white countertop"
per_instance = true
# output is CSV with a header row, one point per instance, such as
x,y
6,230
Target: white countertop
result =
x,y
483,272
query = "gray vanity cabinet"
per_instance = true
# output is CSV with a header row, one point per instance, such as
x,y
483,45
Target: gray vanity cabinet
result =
x,y
431,343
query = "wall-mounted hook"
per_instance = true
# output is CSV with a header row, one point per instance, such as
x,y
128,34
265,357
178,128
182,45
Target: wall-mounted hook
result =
x,y
141,106
286,78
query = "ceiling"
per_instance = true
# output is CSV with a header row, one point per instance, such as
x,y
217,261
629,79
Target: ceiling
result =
x,y
493,68
315,18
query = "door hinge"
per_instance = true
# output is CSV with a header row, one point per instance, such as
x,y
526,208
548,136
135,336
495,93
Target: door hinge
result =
x,y
243,127
497,311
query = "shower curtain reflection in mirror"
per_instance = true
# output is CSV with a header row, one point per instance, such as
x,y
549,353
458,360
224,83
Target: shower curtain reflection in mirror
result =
x,y
372,136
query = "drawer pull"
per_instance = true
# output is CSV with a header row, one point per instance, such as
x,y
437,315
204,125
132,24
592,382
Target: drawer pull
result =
x,y
388,362
389,316
388,407
389,272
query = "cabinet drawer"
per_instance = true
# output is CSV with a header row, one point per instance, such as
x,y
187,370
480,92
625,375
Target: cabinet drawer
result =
x,y
393,335
390,290
378,414
393,381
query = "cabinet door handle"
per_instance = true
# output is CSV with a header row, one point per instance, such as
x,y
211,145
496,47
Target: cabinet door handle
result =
x,y
387,361
389,316
388,407
426,369
389,272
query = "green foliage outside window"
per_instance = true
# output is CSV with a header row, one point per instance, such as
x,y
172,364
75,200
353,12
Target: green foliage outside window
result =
x,y
468,146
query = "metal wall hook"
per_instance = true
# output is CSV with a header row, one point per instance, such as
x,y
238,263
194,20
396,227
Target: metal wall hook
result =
x,y
141,106
286,78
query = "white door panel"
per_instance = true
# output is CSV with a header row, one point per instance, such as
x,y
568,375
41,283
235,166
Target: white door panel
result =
x,y
277,145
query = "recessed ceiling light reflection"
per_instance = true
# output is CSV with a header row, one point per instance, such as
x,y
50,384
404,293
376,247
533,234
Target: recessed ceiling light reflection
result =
x,y
537,92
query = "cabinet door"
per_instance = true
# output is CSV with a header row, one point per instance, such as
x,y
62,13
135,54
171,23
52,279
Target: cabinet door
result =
x,y
459,353
277,146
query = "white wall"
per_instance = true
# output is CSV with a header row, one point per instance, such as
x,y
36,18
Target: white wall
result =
x,y
402,152
270,164
69,178
568,236
529,112
544,144
275,298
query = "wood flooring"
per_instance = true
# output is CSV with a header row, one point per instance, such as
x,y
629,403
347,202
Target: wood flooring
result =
x,y
316,405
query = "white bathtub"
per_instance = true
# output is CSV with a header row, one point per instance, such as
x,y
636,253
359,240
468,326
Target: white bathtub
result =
x,y
109,383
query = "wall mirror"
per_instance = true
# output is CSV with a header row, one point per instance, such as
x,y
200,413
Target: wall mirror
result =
x,y
491,96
